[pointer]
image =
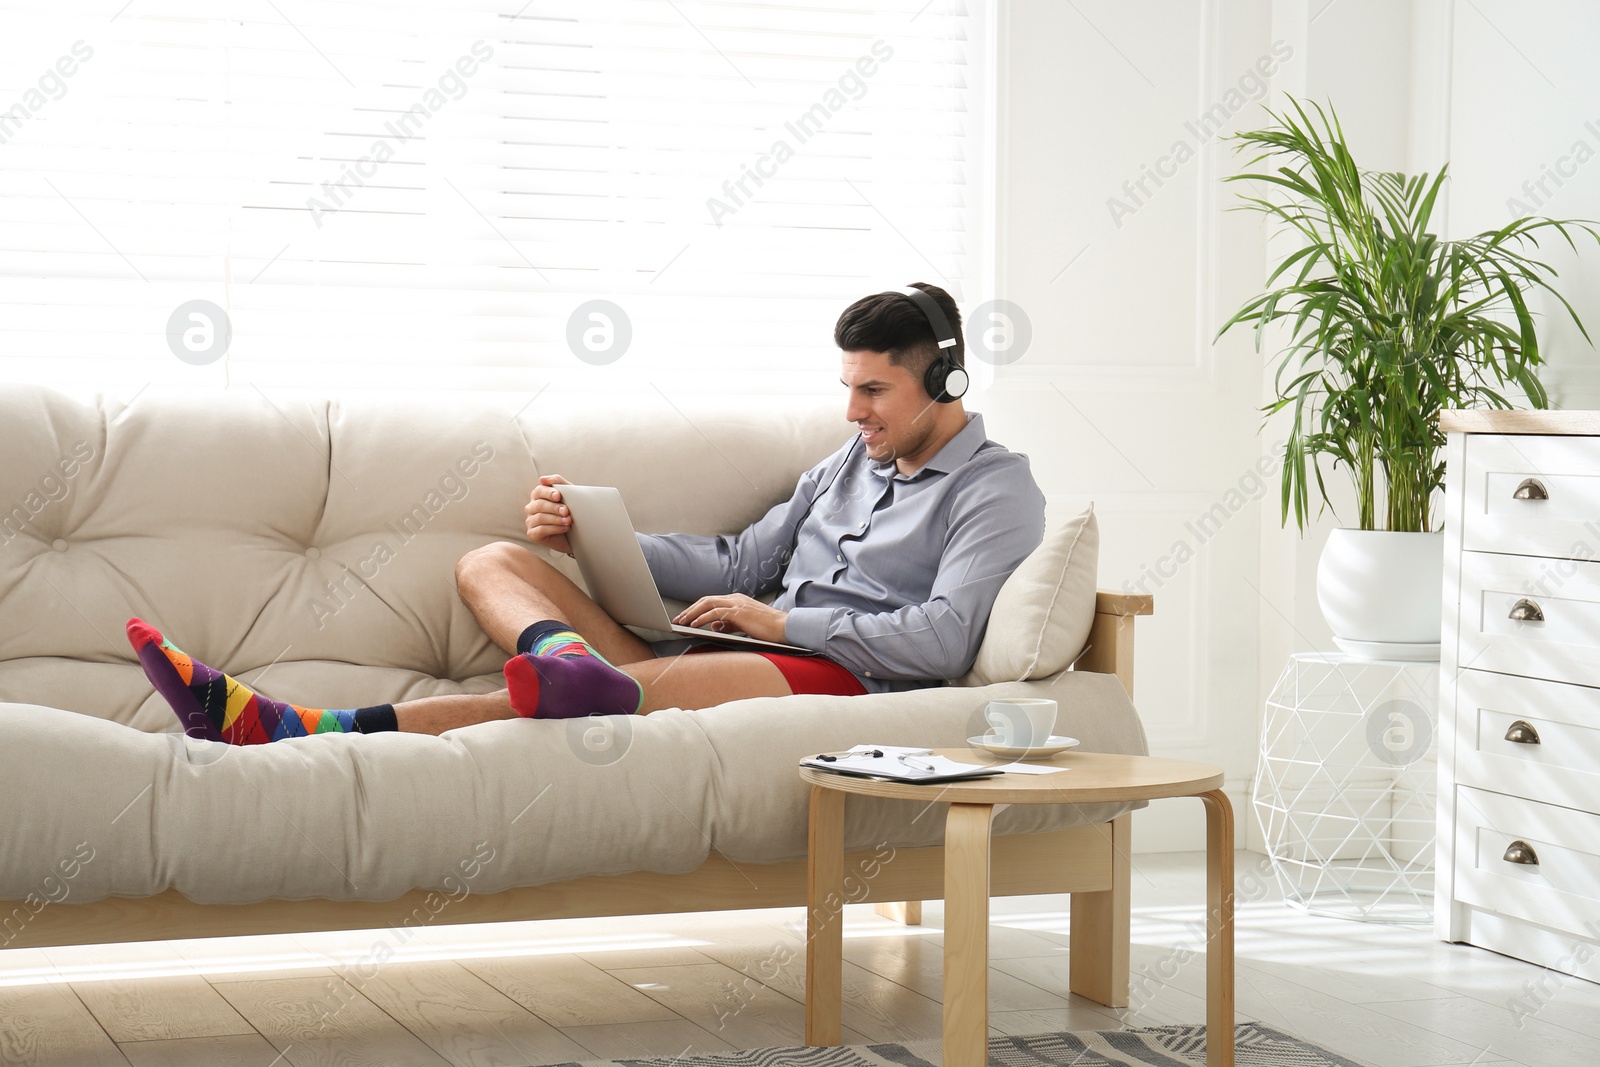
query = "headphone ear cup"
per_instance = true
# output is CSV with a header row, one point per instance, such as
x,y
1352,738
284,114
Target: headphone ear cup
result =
x,y
945,381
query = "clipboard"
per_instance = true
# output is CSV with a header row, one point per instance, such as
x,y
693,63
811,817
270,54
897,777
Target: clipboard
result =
x,y
892,763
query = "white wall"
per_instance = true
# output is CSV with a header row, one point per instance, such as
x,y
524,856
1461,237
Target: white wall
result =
x,y
1360,58
1524,126
1123,397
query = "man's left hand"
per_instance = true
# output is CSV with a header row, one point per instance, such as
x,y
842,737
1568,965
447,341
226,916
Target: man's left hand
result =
x,y
735,613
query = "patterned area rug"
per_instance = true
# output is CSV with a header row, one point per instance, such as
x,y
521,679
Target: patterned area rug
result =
x,y
1166,1046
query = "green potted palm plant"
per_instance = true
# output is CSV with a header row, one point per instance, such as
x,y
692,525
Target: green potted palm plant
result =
x,y
1387,325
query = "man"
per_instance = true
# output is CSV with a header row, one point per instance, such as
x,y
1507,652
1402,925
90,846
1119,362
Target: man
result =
x,y
889,555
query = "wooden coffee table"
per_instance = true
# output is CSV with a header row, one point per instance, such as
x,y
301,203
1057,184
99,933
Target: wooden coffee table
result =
x,y
1085,778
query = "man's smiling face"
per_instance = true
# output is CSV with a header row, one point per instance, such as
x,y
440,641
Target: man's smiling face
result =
x,y
897,419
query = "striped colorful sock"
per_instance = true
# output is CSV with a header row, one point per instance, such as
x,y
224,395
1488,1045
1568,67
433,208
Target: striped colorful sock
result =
x,y
214,707
562,677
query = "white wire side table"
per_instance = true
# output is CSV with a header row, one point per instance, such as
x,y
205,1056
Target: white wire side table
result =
x,y
1345,786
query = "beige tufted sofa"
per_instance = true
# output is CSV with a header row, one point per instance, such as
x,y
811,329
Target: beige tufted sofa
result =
x,y
307,546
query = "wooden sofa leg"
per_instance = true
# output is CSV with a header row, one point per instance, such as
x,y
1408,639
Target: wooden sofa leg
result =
x,y
901,911
1101,927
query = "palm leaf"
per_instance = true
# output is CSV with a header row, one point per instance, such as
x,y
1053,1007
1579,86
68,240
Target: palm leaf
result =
x,y
1387,323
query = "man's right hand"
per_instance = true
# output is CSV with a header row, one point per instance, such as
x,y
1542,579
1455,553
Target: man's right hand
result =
x,y
547,519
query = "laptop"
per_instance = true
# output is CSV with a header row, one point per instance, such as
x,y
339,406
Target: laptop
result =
x,y
618,576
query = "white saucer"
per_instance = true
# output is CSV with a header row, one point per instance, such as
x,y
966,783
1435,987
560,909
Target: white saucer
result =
x,y
1055,744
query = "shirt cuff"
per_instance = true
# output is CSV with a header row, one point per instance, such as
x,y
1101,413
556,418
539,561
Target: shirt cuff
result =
x,y
808,627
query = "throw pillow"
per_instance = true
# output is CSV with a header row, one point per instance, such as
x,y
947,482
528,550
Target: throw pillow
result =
x,y
1042,615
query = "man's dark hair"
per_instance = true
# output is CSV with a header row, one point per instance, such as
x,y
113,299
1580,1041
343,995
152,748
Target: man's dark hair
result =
x,y
894,324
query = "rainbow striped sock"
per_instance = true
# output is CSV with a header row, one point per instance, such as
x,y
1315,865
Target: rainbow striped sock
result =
x,y
214,707
561,676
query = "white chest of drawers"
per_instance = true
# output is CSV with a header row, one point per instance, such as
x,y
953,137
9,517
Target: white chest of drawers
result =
x,y
1518,853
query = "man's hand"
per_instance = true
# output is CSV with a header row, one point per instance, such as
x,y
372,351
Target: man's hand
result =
x,y
735,613
547,519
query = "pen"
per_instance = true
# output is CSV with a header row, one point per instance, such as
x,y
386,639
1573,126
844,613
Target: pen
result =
x,y
904,758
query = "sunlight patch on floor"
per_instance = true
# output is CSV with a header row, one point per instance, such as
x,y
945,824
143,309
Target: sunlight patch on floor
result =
x,y
158,964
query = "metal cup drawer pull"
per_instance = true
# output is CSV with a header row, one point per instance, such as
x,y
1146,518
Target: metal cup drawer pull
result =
x,y
1530,489
1521,852
1525,610
1522,733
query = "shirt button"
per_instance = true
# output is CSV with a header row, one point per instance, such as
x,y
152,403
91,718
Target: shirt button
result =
x,y
839,558
861,526
867,673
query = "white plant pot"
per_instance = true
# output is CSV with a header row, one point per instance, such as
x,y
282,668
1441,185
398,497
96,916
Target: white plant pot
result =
x,y
1381,593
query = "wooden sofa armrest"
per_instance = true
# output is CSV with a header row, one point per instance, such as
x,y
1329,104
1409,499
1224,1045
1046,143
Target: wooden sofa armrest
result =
x,y
1109,649
1111,602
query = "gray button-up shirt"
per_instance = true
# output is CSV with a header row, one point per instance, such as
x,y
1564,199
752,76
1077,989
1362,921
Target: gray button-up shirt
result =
x,y
891,575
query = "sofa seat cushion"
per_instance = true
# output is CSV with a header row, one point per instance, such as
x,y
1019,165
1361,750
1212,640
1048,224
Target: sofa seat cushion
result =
x,y
372,817
1043,612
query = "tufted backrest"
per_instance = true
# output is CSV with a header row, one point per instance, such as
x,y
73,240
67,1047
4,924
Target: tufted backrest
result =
x,y
313,543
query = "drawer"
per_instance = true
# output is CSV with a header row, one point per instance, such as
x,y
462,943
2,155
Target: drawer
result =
x,y
1561,891
1566,525
1564,645
1562,767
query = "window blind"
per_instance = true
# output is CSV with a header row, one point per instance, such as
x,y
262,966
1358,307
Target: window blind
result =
x,y
409,195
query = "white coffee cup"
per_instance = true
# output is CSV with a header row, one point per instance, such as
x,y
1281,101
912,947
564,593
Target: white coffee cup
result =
x,y
1021,722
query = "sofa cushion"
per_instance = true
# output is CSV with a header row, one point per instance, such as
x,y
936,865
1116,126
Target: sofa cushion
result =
x,y
353,817
1042,614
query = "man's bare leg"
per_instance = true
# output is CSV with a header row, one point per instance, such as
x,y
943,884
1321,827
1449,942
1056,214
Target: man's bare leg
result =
x,y
435,715
508,588
706,679
531,591
703,680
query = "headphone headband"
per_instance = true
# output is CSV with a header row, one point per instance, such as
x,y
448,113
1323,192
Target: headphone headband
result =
x,y
942,333
945,380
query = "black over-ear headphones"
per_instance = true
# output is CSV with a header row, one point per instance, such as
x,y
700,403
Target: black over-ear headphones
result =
x,y
944,380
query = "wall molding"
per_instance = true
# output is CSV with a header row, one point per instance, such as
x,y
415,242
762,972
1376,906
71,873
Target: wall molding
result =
x,y
1187,725
1200,371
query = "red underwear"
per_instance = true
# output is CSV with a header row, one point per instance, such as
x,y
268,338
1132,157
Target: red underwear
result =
x,y
805,674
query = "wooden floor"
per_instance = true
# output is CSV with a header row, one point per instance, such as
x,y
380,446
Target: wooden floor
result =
x,y
540,993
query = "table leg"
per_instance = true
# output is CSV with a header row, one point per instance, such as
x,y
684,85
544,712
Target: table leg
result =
x,y
1219,929
1101,927
966,935
907,912
825,917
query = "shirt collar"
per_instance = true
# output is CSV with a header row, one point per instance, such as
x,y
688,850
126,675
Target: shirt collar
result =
x,y
955,452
